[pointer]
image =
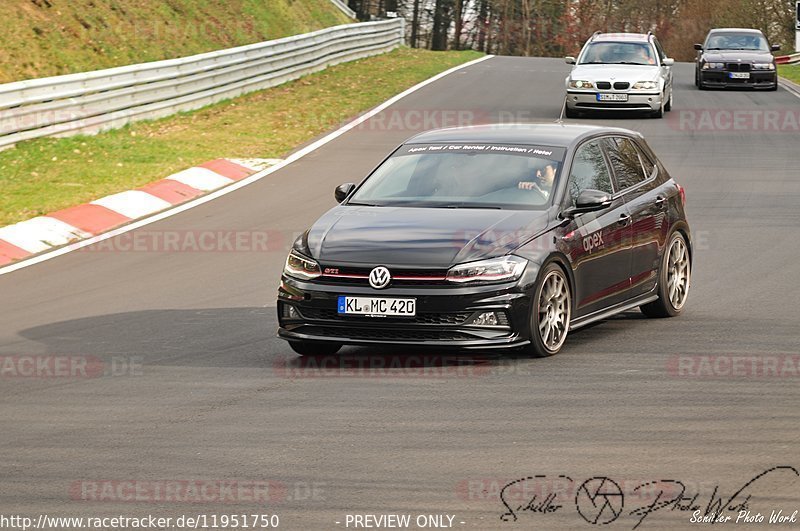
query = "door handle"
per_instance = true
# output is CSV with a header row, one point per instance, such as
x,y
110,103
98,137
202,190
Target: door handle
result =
x,y
660,200
624,219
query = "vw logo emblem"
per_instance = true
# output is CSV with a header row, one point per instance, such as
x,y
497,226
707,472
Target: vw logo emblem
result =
x,y
379,277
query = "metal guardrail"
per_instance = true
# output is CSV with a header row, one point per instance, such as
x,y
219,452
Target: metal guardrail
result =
x,y
792,59
344,8
106,99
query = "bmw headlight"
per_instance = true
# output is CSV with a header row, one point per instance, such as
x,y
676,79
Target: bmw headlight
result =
x,y
503,269
302,267
645,85
578,84
763,66
713,66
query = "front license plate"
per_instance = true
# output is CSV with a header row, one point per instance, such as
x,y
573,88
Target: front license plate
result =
x,y
612,97
739,75
376,306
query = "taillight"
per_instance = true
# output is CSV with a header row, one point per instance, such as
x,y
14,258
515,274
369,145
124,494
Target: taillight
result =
x,y
682,191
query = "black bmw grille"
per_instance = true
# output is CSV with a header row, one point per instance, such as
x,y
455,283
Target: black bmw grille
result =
x,y
738,67
603,85
621,85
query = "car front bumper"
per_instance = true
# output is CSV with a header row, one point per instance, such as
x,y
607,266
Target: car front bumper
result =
x,y
443,313
721,79
587,101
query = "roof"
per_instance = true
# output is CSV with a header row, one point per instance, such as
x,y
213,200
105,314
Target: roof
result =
x,y
736,30
616,37
547,134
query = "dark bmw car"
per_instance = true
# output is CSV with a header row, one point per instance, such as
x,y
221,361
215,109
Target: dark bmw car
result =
x,y
491,237
736,57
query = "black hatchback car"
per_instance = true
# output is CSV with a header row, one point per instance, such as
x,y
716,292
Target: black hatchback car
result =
x,y
736,57
491,237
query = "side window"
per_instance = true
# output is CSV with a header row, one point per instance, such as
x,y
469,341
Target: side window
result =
x,y
647,164
589,171
626,161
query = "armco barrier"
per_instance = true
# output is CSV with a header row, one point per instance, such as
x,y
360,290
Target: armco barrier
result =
x,y
788,59
105,99
344,8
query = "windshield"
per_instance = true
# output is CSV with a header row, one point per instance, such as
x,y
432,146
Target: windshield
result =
x,y
620,53
515,177
737,41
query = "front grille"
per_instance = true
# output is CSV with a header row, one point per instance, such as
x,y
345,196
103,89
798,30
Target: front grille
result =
x,y
603,85
739,67
329,314
387,334
400,277
621,85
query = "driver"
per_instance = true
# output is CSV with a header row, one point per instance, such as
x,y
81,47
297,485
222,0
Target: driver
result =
x,y
544,180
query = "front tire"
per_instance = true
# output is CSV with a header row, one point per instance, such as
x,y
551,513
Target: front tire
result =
x,y
551,310
674,279
570,113
315,348
668,106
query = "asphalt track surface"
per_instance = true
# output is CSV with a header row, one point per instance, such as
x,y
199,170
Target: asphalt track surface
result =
x,y
215,396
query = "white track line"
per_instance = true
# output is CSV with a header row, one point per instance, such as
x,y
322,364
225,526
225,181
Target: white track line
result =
x,y
239,184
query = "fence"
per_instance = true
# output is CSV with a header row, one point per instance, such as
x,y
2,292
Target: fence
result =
x,y
105,99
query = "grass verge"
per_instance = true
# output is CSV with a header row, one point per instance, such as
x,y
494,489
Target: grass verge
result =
x,y
44,175
790,72
51,37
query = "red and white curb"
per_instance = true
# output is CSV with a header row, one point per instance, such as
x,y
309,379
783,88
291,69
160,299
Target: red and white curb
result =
x,y
40,234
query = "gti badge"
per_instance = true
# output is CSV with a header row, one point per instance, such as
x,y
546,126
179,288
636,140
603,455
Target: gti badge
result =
x,y
379,277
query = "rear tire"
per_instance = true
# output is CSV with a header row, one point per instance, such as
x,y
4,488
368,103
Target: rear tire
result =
x,y
315,348
551,310
674,280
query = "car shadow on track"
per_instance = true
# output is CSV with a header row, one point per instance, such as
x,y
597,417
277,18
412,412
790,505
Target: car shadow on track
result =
x,y
245,338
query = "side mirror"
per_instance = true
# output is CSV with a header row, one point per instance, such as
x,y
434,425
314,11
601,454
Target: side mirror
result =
x,y
669,61
569,60
588,201
342,191
775,47
698,47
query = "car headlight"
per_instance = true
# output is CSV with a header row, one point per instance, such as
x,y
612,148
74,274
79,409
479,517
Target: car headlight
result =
x,y
713,66
501,269
763,66
645,85
302,267
578,84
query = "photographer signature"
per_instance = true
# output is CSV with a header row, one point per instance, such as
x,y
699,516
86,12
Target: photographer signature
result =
x,y
600,500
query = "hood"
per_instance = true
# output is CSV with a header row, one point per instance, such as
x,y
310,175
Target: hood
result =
x,y
733,56
419,237
630,73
